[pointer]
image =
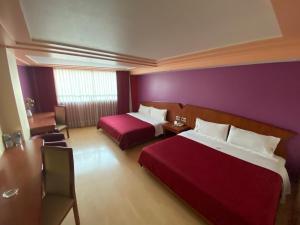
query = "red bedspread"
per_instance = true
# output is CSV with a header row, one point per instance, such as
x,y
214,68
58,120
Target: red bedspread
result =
x,y
222,188
126,129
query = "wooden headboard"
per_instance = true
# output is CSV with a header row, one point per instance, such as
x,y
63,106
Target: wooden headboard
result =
x,y
192,112
174,109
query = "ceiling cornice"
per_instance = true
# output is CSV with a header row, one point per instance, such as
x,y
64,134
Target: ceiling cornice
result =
x,y
14,34
271,50
82,52
274,50
57,45
286,48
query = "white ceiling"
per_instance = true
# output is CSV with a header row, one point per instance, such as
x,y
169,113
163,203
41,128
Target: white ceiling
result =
x,y
152,29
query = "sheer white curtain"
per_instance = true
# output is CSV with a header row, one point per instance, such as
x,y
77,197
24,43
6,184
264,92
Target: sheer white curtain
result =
x,y
86,94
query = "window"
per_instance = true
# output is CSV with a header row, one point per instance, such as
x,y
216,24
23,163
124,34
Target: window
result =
x,y
86,94
85,86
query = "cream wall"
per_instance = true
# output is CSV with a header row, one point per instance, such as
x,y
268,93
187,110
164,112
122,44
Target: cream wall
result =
x,y
12,111
14,74
1,143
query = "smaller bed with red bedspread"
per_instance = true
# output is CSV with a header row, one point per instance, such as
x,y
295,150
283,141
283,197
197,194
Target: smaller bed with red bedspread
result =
x,y
226,184
131,129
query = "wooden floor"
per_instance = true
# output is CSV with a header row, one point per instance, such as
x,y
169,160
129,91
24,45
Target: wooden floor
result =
x,y
112,189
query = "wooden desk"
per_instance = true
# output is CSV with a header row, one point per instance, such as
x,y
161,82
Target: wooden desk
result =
x,y
41,123
21,168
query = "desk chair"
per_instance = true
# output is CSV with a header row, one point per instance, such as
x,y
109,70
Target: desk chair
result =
x,y
60,196
61,119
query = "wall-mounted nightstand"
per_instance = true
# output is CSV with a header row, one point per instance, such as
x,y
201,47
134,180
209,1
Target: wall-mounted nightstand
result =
x,y
170,128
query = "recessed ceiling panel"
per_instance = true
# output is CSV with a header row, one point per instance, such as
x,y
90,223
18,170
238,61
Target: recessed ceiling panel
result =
x,y
152,29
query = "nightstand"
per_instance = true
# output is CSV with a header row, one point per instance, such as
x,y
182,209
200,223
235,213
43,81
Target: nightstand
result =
x,y
170,128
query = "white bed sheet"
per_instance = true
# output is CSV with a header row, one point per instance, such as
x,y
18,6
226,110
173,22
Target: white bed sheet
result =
x,y
273,163
156,123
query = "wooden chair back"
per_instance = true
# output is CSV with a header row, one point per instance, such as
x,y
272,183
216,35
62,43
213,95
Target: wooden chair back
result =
x,y
60,114
58,169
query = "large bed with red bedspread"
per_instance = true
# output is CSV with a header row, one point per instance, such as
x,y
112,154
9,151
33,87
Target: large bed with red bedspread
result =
x,y
130,129
225,189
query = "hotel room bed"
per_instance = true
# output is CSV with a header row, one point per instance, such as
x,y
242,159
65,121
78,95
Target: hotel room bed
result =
x,y
130,129
225,183
223,188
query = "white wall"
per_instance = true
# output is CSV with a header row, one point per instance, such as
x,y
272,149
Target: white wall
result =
x,y
12,109
1,143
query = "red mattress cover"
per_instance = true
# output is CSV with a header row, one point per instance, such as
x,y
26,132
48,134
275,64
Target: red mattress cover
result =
x,y
222,188
126,129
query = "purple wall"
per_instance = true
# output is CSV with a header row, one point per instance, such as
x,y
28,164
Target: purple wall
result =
x,y
268,93
123,91
44,88
26,82
38,84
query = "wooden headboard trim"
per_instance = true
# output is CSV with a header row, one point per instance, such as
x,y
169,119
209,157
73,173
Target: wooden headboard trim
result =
x,y
191,112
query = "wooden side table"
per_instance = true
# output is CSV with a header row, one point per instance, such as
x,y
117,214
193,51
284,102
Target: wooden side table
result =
x,y
170,128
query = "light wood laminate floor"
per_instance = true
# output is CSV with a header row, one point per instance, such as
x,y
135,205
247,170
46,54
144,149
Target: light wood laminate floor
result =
x,y
112,188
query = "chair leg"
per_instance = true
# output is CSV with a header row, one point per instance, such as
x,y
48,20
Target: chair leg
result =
x,y
68,132
76,214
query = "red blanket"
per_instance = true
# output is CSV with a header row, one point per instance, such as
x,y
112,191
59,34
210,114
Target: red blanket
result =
x,y
127,130
222,188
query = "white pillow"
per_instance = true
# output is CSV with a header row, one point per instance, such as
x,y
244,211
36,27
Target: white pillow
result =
x,y
214,130
158,114
144,110
253,141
